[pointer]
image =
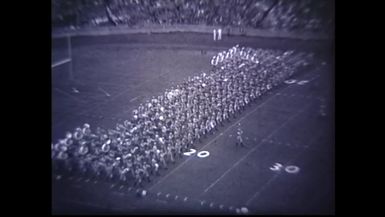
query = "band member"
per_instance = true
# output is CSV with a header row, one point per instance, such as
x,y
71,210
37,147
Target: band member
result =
x,y
146,171
170,154
155,167
162,156
139,177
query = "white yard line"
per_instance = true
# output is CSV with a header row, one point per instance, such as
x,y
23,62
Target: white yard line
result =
x,y
133,99
60,62
105,92
69,95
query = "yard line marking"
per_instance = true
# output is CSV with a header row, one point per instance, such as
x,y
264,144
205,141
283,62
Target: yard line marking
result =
x,y
105,92
276,175
133,99
301,96
262,188
60,62
97,83
69,95
255,148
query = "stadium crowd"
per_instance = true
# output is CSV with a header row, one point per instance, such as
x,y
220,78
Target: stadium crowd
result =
x,y
299,15
168,125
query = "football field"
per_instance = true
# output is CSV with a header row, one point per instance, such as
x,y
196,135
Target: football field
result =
x,y
286,168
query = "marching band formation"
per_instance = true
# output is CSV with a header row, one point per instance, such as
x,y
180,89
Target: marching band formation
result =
x,y
164,127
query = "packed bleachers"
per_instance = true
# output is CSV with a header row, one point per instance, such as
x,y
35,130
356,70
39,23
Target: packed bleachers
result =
x,y
298,15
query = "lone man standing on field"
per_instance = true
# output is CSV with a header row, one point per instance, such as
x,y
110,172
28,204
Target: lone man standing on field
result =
x,y
239,136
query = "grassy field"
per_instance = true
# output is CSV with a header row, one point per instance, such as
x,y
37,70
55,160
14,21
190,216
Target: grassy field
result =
x,y
115,74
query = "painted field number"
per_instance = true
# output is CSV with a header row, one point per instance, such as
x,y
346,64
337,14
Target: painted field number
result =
x,y
302,82
201,154
294,81
277,167
189,153
291,81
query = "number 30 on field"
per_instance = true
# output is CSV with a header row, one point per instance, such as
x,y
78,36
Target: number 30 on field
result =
x,y
201,154
289,169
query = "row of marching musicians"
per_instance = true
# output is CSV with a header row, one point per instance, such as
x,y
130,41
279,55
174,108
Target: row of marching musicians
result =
x,y
164,127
